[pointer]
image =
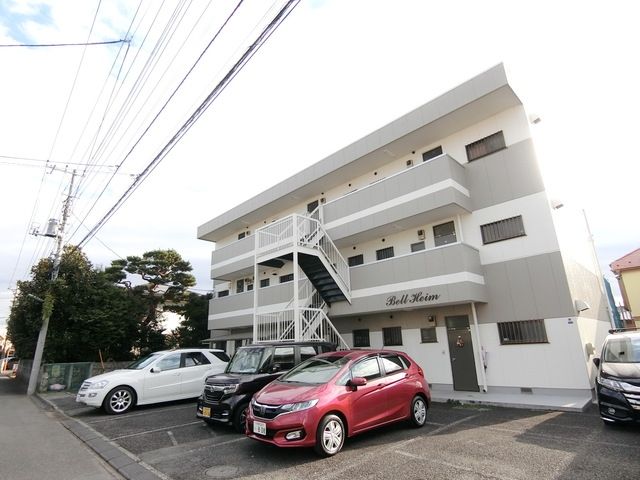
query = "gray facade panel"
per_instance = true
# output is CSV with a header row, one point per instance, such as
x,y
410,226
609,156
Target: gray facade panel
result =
x,y
511,286
275,294
228,252
505,175
419,211
447,260
438,295
420,176
230,303
231,322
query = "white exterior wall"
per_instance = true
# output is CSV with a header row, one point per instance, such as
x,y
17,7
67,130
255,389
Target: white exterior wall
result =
x,y
540,236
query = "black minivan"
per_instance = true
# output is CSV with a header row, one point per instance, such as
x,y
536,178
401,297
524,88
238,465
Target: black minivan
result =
x,y
618,379
226,396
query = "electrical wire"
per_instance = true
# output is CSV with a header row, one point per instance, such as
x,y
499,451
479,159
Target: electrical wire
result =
x,y
237,67
85,44
176,89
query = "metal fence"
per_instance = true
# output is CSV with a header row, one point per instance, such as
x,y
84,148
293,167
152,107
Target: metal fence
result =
x,y
65,376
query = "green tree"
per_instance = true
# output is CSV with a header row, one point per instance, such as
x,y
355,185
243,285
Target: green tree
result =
x,y
194,328
165,278
90,315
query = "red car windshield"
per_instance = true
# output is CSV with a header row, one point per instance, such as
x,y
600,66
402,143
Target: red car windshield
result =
x,y
315,370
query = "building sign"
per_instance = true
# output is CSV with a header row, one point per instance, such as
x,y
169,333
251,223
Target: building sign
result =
x,y
411,298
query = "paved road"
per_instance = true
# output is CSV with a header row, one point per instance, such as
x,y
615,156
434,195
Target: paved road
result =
x,y
458,443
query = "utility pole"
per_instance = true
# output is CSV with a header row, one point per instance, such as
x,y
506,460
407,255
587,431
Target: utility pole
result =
x,y
47,305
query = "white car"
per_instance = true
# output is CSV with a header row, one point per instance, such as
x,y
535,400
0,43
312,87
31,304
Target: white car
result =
x,y
159,377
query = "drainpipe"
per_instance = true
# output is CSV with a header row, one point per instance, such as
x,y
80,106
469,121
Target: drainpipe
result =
x,y
296,279
483,375
459,232
256,283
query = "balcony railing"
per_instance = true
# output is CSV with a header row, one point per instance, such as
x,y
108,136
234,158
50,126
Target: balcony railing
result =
x,y
298,230
280,326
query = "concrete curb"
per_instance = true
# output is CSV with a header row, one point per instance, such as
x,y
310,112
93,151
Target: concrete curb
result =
x,y
121,460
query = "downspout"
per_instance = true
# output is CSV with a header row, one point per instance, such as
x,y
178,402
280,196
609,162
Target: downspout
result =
x,y
479,348
255,287
296,278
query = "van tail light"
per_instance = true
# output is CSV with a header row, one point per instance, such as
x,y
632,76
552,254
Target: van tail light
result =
x,y
420,372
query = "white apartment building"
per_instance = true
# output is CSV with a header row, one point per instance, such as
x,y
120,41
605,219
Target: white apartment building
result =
x,y
432,235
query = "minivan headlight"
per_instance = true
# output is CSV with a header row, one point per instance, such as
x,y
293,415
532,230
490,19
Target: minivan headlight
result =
x,y
296,407
615,384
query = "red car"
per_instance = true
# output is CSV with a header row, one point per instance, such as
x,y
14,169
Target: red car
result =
x,y
337,395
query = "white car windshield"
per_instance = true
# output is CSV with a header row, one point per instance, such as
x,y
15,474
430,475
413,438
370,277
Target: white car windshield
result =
x,y
144,361
622,350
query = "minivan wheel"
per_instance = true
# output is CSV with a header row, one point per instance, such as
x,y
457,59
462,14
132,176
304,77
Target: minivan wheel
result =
x,y
418,411
119,400
240,417
330,436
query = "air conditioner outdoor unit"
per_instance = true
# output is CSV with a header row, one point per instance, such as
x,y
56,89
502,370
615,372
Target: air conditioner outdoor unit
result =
x,y
421,234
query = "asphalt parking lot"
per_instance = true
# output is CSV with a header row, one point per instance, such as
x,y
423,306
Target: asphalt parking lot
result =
x,y
458,442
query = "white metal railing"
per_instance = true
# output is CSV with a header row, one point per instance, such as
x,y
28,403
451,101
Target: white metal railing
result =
x,y
305,232
314,326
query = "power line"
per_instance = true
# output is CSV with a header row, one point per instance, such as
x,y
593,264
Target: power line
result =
x,y
175,90
217,90
81,44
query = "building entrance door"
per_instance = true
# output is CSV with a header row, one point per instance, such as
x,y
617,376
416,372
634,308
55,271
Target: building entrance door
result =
x,y
463,366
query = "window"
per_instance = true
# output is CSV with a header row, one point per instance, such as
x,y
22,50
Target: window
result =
x,y
264,282
525,331
286,278
391,336
444,234
434,152
485,146
312,206
356,260
416,247
367,368
361,338
384,253
392,364
193,359
220,355
428,335
170,362
502,230
240,286
241,235
307,351
283,356
223,293
249,286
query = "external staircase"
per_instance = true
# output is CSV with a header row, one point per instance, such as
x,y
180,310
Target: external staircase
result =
x,y
320,277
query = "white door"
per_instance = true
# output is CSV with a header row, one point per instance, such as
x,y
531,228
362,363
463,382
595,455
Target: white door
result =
x,y
196,367
164,385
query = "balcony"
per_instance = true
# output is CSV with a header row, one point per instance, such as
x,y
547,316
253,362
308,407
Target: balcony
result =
x,y
423,194
233,260
446,275
236,310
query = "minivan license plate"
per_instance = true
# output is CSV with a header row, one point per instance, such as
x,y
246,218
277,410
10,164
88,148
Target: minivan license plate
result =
x,y
260,428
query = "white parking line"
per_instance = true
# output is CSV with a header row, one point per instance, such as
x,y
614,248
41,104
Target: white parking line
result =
x,y
172,438
157,430
140,414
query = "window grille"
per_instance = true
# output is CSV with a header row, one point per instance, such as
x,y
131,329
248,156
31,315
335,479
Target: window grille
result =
x,y
502,230
524,331
486,146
